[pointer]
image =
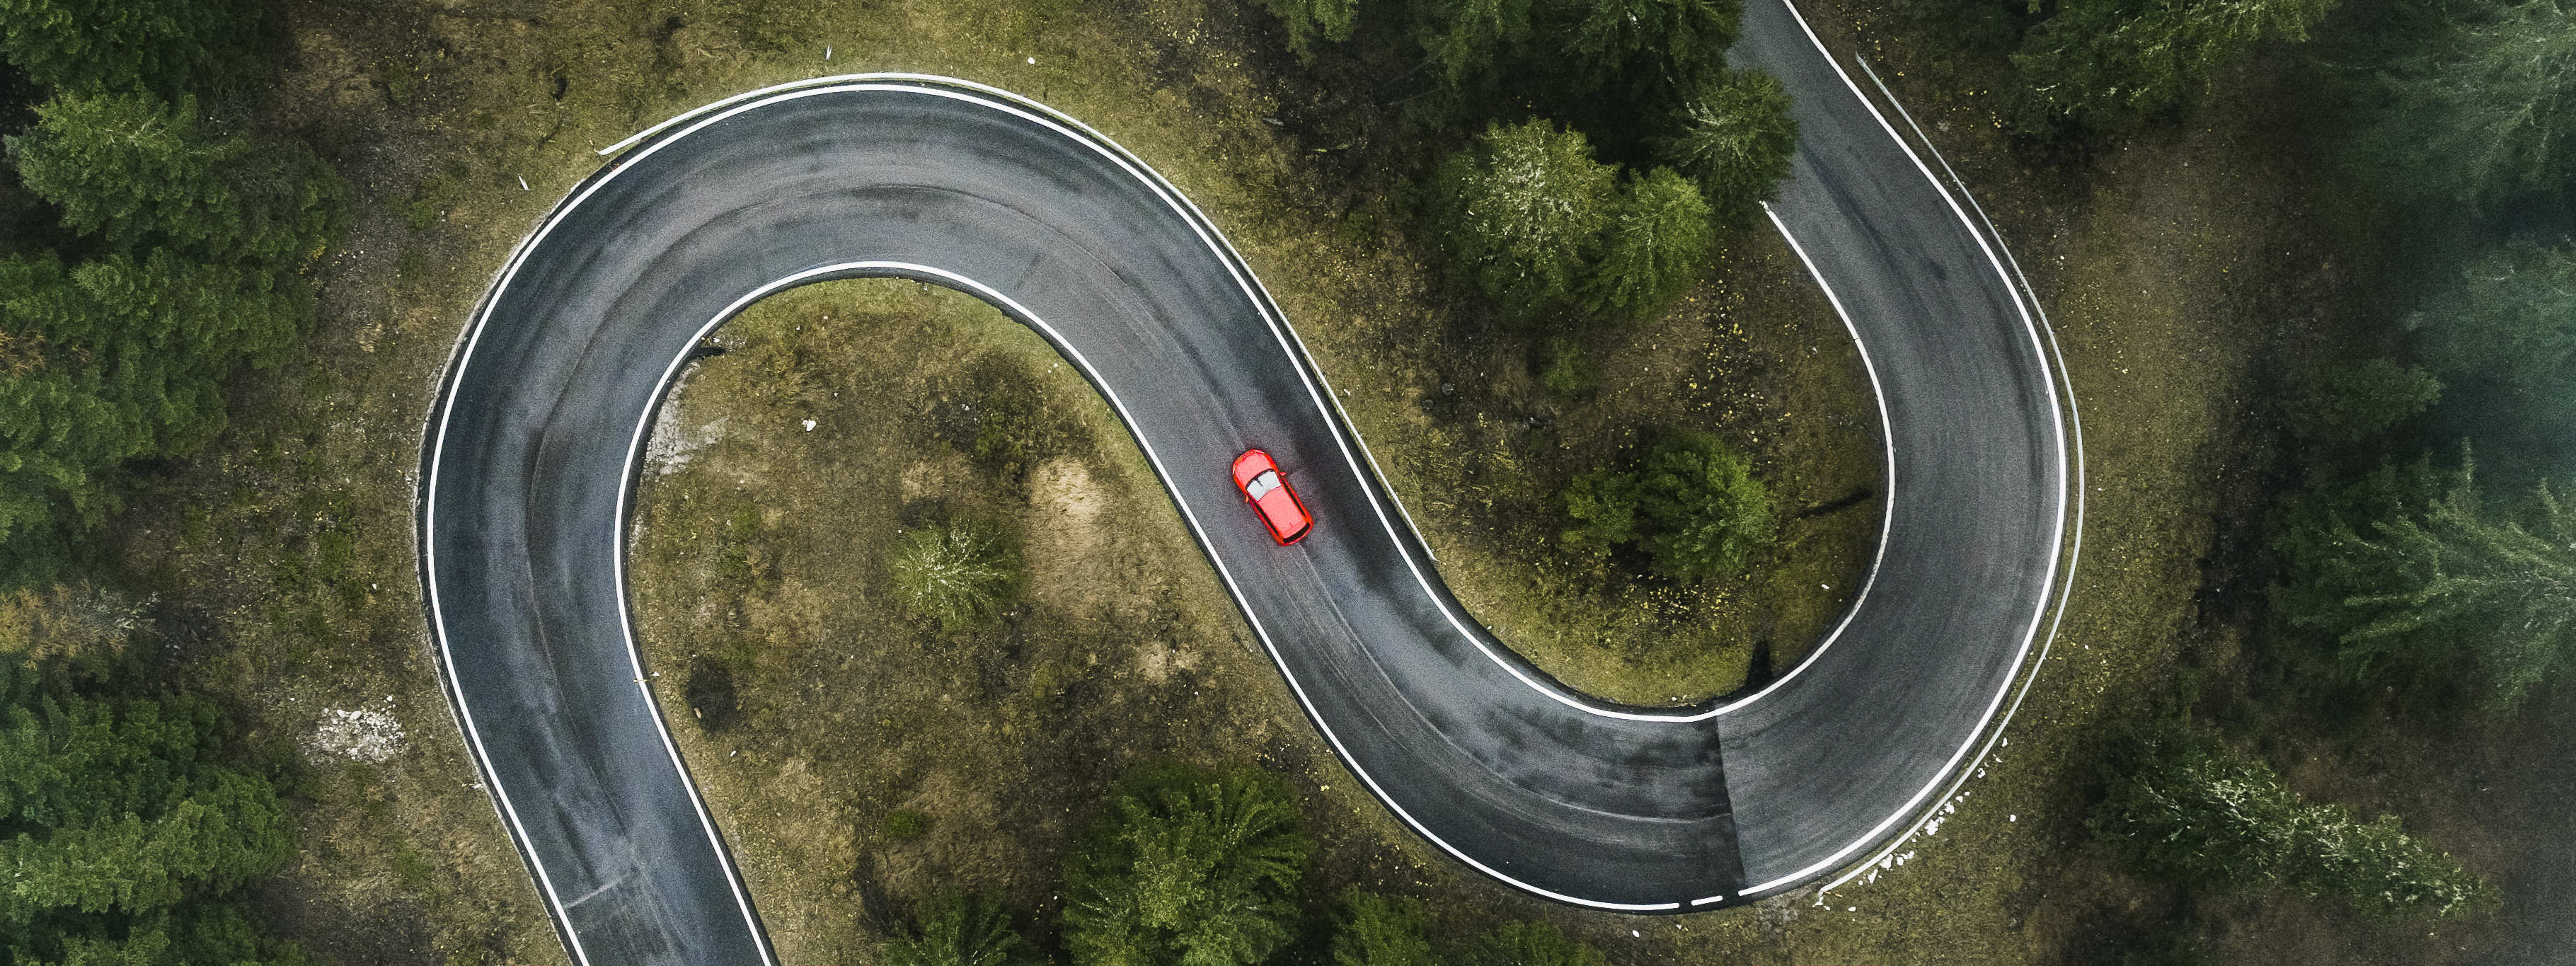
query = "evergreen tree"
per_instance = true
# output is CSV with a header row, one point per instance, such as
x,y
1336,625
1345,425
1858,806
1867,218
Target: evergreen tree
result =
x,y
1653,52
1381,930
2184,807
1522,213
1473,38
2511,317
2507,592
1603,504
2113,63
2354,402
958,929
168,46
138,171
1181,866
122,824
1736,140
1308,20
1707,515
2477,104
1657,244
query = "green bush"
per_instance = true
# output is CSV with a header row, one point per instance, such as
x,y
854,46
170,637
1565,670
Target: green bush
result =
x,y
1184,866
905,823
959,571
957,929
1521,215
1735,141
2184,807
1378,930
2358,401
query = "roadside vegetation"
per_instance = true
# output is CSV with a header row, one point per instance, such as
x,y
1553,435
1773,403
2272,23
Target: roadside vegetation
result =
x,y
247,265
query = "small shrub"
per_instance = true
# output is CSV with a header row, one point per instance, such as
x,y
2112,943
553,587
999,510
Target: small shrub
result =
x,y
1378,930
959,571
957,929
905,824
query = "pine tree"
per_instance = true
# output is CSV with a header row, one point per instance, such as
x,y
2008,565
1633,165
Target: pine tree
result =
x,y
1183,866
1650,51
138,171
2113,63
122,810
1736,141
1657,244
2510,317
2505,591
1522,214
1707,516
167,46
2478,105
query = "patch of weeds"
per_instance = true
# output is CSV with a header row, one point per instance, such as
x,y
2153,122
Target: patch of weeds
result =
x,y
905,824
1566,370
738,564
436,194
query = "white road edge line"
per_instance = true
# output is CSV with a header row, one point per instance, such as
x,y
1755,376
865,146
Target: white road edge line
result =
x,y
1261,302
2075,552
1990,729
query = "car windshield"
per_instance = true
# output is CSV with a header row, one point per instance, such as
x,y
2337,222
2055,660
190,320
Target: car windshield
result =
x,y
1262,485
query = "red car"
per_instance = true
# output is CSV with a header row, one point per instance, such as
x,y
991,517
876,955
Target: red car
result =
x,y
1258,477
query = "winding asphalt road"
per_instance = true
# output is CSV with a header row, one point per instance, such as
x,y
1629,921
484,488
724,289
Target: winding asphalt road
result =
x,y
540,428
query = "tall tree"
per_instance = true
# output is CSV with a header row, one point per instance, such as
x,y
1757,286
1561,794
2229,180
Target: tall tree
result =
x,y
1310,20
1657,244
1652,51
2510,317
1181,866
1735,140
1707,515
168,46
2506,591
119,812
2183,806
2112,63
138,171
2478,105
1521,214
